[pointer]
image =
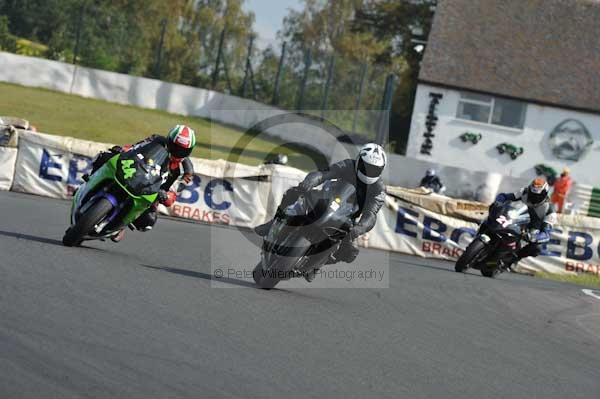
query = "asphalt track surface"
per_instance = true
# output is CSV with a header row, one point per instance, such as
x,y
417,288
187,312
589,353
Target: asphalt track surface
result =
x,y
145,319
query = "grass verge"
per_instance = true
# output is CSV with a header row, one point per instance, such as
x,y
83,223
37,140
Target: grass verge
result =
x,y
580,279
90,119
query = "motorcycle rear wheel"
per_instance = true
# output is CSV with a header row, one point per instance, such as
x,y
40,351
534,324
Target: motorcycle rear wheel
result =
x,y
74,235
490,272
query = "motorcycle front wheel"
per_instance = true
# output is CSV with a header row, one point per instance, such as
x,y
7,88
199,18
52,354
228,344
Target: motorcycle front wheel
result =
x,y
473,253
264,278
74,235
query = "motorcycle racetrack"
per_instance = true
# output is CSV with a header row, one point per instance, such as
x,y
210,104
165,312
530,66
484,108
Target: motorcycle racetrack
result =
x,y
147,318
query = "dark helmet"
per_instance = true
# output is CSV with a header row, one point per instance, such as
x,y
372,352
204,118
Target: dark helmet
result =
x,y
181,141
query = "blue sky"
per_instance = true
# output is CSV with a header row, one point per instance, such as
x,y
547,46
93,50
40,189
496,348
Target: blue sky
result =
x,y
269,17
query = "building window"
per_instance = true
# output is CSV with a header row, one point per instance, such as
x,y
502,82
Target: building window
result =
x,y
492,110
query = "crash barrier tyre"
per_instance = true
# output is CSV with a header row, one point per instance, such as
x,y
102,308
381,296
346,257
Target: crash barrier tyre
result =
x,y
74,235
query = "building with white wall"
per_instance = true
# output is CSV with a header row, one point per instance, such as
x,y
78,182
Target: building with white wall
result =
x,y
520,78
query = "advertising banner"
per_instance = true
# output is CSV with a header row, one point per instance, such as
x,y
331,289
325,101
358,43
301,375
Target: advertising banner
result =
x,y
233,201
47,166
410,229
411,222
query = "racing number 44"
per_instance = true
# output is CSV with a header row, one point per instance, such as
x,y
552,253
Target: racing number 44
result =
x,y
128,171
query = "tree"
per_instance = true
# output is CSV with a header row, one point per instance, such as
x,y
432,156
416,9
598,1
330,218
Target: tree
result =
x,y
328,30
399,23
7,42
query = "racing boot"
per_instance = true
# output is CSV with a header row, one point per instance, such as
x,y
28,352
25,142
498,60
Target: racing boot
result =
x,y
119,236
508,263
331,260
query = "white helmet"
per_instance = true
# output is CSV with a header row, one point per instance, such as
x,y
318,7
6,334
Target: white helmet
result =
x,y
370,163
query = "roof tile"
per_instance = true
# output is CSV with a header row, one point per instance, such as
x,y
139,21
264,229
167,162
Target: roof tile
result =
x,y
540,50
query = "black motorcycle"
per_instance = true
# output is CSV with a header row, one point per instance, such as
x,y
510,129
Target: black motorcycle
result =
x,y
308,232
495,247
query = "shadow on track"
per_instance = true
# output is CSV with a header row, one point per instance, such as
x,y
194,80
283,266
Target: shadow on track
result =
x,y
43,240
205,276
241,283
232,281
31,238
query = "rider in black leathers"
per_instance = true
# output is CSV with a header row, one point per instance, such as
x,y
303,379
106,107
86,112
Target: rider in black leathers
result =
x,y
364,174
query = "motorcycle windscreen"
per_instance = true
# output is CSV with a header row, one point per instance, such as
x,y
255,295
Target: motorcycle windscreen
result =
x,y
334,204
328,211
511,215
141,170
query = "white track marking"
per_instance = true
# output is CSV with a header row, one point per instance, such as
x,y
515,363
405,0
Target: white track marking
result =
x,y
591,293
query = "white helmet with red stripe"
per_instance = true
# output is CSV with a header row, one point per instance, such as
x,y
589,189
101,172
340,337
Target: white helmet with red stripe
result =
x,y
537,192
181,141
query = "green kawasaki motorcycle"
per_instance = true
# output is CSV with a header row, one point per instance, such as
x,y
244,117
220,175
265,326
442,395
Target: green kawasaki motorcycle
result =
x,y
117,194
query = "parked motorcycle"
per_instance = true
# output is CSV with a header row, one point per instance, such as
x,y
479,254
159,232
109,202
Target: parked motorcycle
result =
x,y
495,247
310,230
116,194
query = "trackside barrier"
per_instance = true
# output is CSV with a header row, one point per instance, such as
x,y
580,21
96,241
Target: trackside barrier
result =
x,y
430,226
460,183
220,192
171,97
413,222
8,156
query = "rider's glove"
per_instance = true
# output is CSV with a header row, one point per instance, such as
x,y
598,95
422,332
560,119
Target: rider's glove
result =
x,y
501,198
353,234
538,237
187,177
167,198
310,181
532,236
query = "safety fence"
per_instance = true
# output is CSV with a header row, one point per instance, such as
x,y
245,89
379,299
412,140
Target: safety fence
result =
x,y
170,97
413,221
